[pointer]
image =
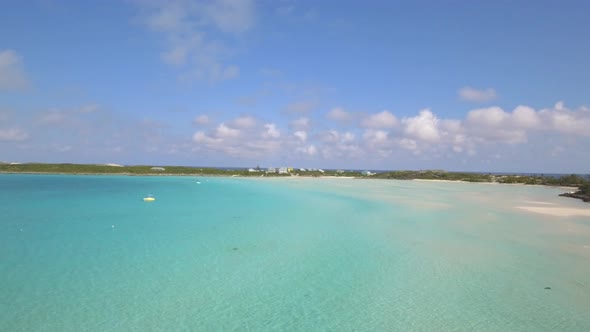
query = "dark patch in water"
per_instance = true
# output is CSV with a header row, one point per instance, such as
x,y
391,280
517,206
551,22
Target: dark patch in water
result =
x,y
547,287
235,249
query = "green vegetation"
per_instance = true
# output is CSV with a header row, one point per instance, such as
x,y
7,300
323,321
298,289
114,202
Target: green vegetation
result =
x,y
147,170
569,180
435,175
566,180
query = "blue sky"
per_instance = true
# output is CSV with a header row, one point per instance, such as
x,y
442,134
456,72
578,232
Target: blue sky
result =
x,y
457,85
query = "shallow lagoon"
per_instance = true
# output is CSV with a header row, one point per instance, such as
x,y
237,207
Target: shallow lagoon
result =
x,y
86,253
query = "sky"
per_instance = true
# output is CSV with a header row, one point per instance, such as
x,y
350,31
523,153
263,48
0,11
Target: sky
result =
x,y
500,86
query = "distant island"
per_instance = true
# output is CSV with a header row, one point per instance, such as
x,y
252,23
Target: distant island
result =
x,y
581,182
583,193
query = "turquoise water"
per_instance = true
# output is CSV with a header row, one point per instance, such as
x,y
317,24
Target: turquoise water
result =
x,y
85,253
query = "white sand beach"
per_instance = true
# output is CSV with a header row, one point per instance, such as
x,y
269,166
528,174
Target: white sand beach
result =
x,y
557,211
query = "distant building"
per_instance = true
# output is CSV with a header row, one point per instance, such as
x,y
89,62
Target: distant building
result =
x,y
160,169
302,169
321,170
271,170
283,170
367,173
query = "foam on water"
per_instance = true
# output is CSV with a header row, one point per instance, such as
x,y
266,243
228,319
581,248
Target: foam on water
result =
x,y
86,253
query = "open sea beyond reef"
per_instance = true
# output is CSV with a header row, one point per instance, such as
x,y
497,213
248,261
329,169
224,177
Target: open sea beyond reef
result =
x,y
86,253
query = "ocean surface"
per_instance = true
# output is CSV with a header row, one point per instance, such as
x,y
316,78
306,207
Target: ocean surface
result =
x,y
86,253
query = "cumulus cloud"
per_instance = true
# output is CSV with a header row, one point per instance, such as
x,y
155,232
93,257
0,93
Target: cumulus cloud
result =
x,y
201,137
375,137
223,131
301,135
525,117
491,116
493,124
309,150
271,131
382,119
12,75
408,144
244,138
381,135
190,29
424,126
566,121
474,95
301,124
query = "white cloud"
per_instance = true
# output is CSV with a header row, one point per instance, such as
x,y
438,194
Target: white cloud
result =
x,y
408,144
566,121
559,106
300,124
471,94
347,137
373,136
201,137
223,131
201,120
424,126
382,119
249,143
309,150
525,117
12,76
493,124
339,114
301,135
491,116
12,135
271,131
198,34
330,136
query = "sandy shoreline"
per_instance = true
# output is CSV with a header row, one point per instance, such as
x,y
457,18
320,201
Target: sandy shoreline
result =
x,y
566,188
557,211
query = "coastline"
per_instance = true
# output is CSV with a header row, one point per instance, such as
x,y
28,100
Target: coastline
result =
x,y
499,183
557,211
282,177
